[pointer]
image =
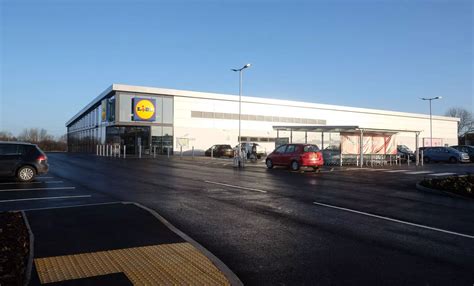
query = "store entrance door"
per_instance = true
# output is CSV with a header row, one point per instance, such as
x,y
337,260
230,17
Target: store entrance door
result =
x,y
133,137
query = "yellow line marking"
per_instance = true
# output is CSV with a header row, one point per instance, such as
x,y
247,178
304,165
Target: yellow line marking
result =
x,y
164,264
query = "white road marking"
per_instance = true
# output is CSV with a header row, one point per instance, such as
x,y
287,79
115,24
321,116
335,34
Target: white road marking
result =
x,y
396,220
72,206
397,171
442,174
418,172
45,198
237,187
39,189
19,183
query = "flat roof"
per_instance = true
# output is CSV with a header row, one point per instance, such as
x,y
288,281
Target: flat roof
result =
x,y
247,99
338,129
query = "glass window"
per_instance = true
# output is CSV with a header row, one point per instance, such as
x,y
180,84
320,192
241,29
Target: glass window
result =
x,y
9,149
290,149
311,148
281,149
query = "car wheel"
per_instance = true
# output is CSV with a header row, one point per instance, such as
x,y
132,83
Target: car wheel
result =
x,y
295,166
269,163
453,160
26,174
426,159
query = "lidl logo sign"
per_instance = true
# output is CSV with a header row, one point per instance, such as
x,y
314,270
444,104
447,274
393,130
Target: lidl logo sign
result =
x,y
144,109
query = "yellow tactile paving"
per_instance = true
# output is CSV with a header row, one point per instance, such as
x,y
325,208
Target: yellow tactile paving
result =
x,y
164,264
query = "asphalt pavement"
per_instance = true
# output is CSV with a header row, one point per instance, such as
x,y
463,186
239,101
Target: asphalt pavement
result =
x,y
340,226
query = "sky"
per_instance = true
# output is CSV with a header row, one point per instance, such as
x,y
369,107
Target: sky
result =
x,y
56,56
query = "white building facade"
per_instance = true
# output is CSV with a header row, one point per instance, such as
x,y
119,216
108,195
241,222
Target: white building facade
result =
x,y
186,120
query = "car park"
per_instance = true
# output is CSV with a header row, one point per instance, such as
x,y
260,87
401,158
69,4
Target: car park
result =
x,y
22,160
221,150
466,149
296,156
444,154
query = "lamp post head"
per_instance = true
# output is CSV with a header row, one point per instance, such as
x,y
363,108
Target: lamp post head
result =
x,y
432,98
246,66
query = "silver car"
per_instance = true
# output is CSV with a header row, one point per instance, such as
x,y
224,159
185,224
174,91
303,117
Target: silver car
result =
x,y
444,154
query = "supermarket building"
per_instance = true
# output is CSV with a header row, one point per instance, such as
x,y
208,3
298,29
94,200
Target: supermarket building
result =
x,y
168,119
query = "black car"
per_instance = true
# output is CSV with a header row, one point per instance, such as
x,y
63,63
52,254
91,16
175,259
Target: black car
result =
x,y
405,153
466,149
220,151
22,160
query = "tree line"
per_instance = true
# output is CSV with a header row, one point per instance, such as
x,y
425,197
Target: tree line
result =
x,y
466,121
40,137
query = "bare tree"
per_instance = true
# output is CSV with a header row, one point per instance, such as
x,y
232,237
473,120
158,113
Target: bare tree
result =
x,y
466,122
6,136
35,135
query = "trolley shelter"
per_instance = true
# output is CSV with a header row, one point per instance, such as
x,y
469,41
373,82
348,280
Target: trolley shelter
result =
x,y
357,145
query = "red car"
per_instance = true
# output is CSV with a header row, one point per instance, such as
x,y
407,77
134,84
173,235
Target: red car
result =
x,y
296,156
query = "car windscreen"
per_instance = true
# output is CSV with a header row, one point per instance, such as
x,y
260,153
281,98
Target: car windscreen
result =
x,y
311,148
404,148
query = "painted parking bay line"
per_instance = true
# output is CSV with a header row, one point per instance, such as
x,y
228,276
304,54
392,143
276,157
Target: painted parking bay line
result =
x,y
418,172
396,220
442,174
236,187
45,198
39,189
397,171
45,182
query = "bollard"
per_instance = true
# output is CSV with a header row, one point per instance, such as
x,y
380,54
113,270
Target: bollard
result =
x,y
422,159
181,151
408,160
193,152
97,150
154,151
139,151
124,151
212,153
340,163
168,150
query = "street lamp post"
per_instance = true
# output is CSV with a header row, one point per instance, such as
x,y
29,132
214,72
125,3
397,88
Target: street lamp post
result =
x,y
431,120
240,97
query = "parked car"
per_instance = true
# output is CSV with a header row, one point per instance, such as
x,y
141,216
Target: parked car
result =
x,y
296,156
249,148
444,154
22,160
332,155
220,151
405,153
466,149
